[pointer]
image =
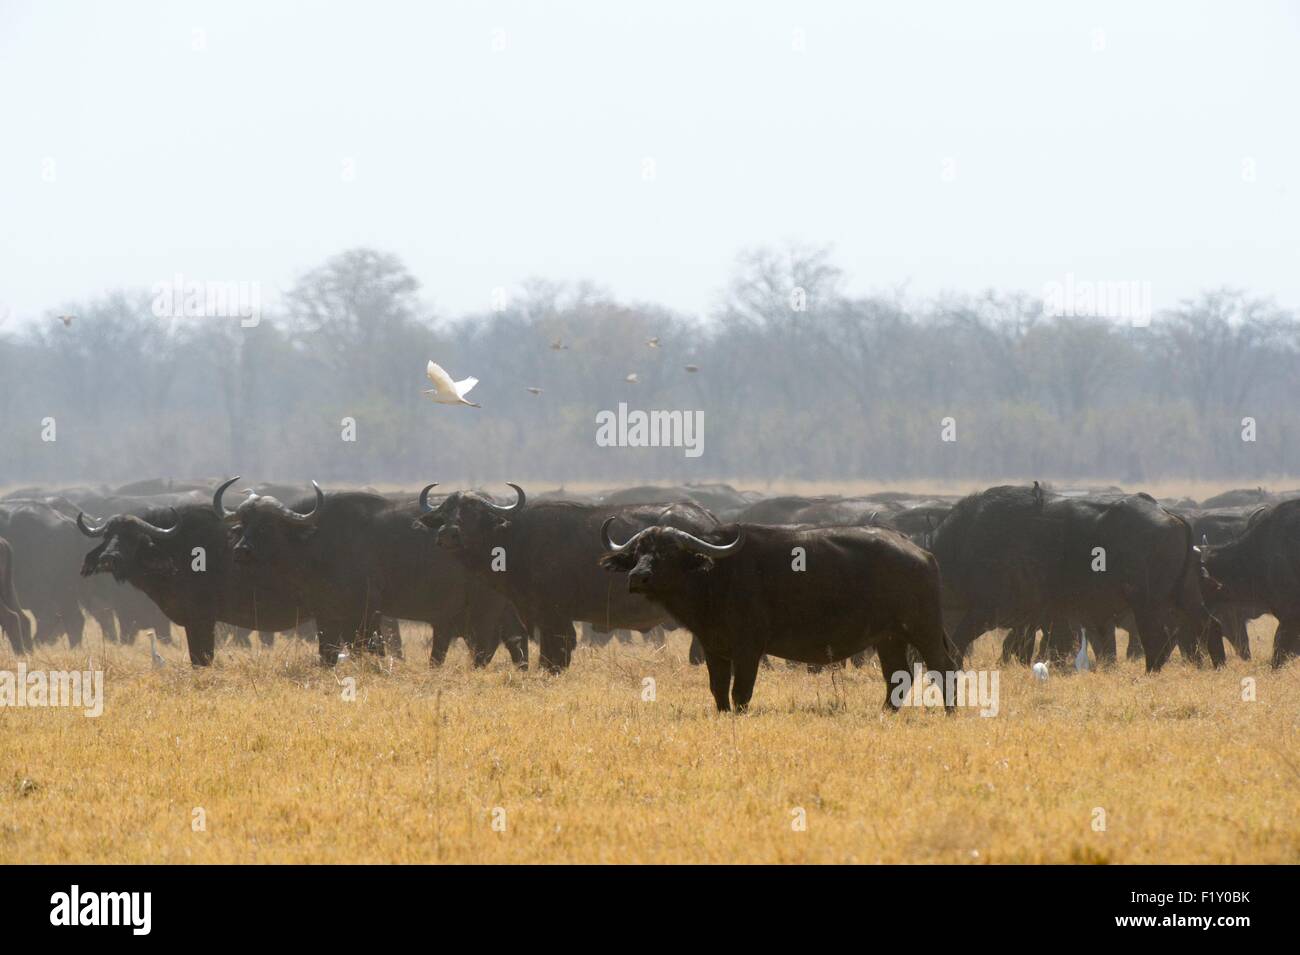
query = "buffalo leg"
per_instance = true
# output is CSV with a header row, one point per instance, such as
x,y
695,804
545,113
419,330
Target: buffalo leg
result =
x,y
1157,644
201,639
892,653
719,679
484,632
1286,641
1060,642
107,621
1019,644
392,631
1210,632
47,631
1103,642
971,626
517,645
25,632
266,638
744,667
330,642
928,638
555,646
74,624
11,623
484,647
1238,634
443,638
696,656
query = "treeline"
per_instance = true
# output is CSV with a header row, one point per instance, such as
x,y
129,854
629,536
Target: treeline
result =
x,y
795,379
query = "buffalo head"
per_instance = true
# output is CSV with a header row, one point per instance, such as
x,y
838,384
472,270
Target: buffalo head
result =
x,y
261,525
661,560
467,521
130,545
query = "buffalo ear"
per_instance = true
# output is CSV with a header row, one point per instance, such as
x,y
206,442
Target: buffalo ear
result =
x,y
702,563
91,559
618,563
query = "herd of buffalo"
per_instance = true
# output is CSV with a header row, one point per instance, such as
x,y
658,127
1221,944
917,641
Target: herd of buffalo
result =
x,y
815,580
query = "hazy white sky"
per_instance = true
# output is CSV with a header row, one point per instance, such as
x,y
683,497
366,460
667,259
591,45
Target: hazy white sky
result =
x,y
1171,155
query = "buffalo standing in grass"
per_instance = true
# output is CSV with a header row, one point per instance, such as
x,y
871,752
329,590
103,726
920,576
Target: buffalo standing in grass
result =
x,y
353,555
1012,556
744,595
543,557
13,622
1261,569
180,557
47,551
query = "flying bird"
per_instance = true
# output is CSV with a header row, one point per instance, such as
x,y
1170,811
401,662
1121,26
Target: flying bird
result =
x,y
558,345
154,655
448,392
67,320
534,391
631,379
692,368
653,342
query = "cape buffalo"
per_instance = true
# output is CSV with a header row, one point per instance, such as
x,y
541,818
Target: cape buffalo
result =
x,y
543,557
47,551
1013,556
13,622
1262,568
809,594
181,559
348,556
1221,526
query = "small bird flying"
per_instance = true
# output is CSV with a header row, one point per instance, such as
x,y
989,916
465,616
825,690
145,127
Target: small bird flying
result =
x,y
558,345
692,368
653,342
448,392
67,320
632,379
534,391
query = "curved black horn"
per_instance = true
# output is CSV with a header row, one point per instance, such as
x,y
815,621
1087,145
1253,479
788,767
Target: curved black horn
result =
x,y
609,543
162,533
97,531
216,500
520,498
698,546
312,517
424,497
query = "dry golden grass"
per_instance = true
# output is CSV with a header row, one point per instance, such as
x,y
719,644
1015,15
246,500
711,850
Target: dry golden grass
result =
x,y
286,770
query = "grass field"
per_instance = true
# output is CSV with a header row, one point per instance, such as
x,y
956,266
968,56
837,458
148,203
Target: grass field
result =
x,y
496,766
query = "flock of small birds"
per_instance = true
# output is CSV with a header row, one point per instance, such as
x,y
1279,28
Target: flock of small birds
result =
x,y
447,391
